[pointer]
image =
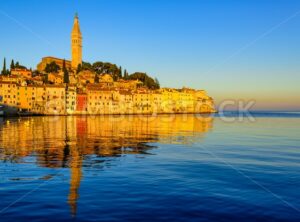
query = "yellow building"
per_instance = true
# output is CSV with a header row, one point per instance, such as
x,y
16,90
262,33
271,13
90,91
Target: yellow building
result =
x,y
71,99
203,103
8,93
26,96
125,99
127,84
156,101
185,104
55,99
55,78
37,80
21,72
86,77
167,100
106,81
99,100
11,79
40,100
142,102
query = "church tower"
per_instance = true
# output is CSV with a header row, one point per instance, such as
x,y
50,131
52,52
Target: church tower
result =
x,y
76,39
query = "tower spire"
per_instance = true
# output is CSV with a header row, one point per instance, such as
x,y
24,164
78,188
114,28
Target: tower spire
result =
x,y
76,42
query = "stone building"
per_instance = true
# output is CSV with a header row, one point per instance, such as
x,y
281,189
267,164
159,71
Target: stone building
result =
x,y
47,60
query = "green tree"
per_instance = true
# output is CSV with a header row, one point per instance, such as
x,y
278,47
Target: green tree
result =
x,y
79,68
96,78
18,66
145,79
106,67
86,66
66,73
35,73
52,67
4,71
98,67
12,64
157,82
45,79
120,72
126,74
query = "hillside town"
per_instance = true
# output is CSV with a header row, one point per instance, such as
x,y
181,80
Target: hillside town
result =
x,y
62,87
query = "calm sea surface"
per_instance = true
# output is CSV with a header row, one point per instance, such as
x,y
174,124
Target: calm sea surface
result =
x,y
169,168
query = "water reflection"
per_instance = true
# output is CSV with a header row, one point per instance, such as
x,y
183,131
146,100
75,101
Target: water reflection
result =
x,y
59,142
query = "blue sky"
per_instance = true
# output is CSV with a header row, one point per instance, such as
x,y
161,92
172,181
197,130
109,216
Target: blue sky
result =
x,y
246,50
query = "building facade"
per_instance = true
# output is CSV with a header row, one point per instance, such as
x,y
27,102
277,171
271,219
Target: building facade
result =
x,y
93,99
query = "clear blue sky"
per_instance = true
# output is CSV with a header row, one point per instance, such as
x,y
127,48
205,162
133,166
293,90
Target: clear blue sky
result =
x,y
233,49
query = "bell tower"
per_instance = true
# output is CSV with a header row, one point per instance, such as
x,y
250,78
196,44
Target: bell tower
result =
x,y
76,44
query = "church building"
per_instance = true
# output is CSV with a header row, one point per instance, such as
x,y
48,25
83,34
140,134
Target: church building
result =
x,y
76,51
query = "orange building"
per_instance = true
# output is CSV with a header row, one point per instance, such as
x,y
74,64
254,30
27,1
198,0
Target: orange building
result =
x,y
21,72
81,102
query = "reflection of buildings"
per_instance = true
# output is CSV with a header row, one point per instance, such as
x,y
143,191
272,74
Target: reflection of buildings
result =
x,y
65,141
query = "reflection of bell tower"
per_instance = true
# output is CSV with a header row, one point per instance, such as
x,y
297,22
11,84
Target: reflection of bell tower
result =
x,y
75,169
76,39
75,165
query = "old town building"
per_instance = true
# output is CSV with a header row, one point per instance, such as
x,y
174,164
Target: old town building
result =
x,y
95,99
23,72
